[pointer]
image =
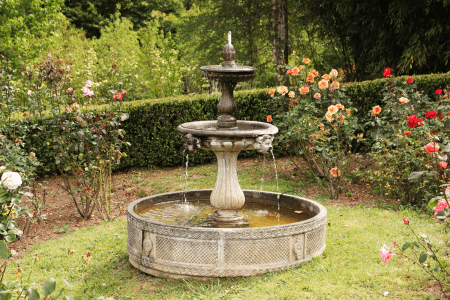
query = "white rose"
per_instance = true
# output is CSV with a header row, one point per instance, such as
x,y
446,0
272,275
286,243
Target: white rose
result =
x,y
11,180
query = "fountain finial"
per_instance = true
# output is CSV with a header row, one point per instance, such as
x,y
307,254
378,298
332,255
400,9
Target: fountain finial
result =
x,y
229,54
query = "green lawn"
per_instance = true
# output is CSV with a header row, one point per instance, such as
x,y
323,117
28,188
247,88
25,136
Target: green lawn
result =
x,y
350,267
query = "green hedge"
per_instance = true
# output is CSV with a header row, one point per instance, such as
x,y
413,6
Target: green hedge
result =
x,y
151,127
367,94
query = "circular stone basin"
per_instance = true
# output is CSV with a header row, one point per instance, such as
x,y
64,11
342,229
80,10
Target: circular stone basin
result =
x,y
228,74
178,251
243,129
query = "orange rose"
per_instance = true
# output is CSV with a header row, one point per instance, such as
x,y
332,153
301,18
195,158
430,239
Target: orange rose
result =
x,y
326,77
310,78
304,90
314,72
269,118
335,84
323,84
376,110
306,60
271,92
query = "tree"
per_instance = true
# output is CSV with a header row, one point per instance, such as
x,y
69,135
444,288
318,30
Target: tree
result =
x,y
92,15
410,37
22,24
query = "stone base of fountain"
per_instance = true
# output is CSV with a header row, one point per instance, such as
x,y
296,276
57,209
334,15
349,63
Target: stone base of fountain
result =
x,y
200,252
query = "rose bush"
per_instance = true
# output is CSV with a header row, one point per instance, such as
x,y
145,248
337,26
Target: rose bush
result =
x,y
407,129
86,144
316,122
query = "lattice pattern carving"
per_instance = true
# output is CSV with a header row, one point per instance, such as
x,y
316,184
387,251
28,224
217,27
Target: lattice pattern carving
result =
x,y
316,241
256,252
134,238
186,251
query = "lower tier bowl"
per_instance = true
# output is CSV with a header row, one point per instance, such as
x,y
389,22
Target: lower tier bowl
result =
x,y
201,252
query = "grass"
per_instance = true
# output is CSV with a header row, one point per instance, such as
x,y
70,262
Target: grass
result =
x,y
350,267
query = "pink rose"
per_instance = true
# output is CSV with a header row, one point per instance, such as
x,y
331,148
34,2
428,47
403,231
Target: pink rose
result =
x,y
443,164
431,147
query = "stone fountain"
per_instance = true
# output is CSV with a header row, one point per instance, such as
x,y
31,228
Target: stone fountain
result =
x,y
232,247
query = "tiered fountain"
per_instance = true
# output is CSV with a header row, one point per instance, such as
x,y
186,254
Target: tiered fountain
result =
x,y
226,244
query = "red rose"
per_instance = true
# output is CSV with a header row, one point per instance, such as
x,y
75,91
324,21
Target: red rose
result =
x,y
387,72
410,79
406,221
414,122
439,92
430,114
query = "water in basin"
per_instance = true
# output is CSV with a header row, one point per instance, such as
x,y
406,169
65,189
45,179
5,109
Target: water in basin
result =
x,y
196,214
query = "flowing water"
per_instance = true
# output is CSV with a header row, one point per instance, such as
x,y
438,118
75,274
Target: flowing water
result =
x,y
186,176
196,214
275,165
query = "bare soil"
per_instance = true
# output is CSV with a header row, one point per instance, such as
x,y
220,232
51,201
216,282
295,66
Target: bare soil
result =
x,y
61,212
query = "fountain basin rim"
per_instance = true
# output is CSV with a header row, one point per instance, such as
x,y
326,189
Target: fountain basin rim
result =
x,y
244,129
130,209
235,69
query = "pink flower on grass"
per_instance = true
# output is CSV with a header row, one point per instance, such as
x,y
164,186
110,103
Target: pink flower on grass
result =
x,y
29,92
70,89
89,83
431,147
385,253
123,93
443,164
317,96
67,109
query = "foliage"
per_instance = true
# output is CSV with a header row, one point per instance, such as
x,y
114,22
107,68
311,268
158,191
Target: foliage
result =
x,y
22,24
14,158
161,74
84,145
365,32
151,127
92,16
424,250
398,148
319,124
147,60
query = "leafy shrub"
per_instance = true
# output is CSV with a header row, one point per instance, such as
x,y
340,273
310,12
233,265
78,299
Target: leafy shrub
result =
x,y
318,124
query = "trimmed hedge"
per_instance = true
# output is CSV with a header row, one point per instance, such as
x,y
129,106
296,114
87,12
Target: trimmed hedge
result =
x,y
151,127
367,94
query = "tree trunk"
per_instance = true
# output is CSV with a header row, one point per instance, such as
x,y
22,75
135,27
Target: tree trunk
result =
x,y
279,35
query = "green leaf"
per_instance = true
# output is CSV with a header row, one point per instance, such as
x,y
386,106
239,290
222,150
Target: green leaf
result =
x,y
446,148
433,202
33,294
416,244
406,246
431,173
49,286
437,269
4,252
423,257
415,175
431,254
423,235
